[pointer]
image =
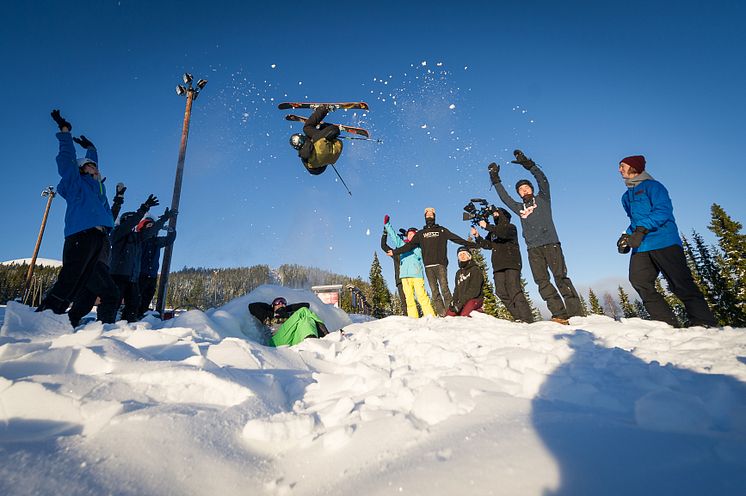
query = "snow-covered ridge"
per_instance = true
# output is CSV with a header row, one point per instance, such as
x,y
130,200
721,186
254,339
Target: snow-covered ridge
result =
x,y
429,406
46,262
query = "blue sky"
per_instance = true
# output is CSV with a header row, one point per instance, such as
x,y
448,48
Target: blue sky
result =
x,y
452,87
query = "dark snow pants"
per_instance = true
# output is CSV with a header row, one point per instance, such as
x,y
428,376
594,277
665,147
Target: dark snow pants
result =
x,y
473,305
644,268
325,130
79,255
99,285
130,292
437,275
509,289
147,292
542,258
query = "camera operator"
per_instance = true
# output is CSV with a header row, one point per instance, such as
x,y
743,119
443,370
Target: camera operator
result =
x,y
502,240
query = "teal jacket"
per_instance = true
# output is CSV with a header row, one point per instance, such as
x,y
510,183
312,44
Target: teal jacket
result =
x,y
410,263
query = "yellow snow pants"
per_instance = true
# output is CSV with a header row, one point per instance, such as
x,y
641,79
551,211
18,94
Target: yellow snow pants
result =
x,y
415,287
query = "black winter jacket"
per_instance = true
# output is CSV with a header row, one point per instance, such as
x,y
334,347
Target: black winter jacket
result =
x,y
502,239
397,258
536,219
434,243
469,281
126,243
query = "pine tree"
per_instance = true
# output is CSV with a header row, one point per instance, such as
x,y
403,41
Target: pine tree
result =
x,y
492,305
596,308
642,312
534,310
676,305
396,305
628,310
731,263
380,298
718,291
583,304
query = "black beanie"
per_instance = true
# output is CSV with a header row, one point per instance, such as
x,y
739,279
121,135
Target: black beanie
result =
x,y
522,182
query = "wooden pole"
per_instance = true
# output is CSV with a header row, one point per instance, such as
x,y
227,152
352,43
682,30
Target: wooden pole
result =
x,y
166,266
49,193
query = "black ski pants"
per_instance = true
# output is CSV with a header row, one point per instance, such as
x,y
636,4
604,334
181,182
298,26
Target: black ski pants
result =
x,y
130,292
147,292
509,289
644,268
325,130
437,278
99,285
79,256
541,259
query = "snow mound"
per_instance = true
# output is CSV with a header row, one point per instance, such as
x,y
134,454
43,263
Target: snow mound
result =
x,y
387,403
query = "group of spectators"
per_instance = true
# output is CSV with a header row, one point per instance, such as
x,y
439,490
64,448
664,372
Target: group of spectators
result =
x,y
652,237
106,256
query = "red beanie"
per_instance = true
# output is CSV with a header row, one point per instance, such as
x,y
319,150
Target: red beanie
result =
x,y
637,162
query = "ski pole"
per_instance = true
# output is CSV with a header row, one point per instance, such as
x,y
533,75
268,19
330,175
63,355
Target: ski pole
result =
x,y
362,139
340,178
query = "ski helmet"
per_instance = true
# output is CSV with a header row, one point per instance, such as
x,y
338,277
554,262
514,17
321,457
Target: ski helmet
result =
x,y
297,140
83,161
279,301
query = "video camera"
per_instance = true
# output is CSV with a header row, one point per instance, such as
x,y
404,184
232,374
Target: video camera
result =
x,y
478,209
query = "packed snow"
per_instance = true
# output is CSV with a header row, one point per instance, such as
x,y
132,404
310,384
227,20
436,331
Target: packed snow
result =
x,y
435,406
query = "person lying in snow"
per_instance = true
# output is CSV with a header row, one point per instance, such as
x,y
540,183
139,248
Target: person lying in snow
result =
x,y
289,324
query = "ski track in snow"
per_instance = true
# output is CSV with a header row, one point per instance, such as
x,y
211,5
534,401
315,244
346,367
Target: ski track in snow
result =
x,y
429,406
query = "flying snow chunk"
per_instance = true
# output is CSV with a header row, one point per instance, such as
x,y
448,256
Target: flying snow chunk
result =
x,y
423,63
439,64
452,106
424,126
274,66
367,232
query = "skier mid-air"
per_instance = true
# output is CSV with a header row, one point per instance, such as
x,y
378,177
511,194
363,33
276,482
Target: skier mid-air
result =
x,y
319,145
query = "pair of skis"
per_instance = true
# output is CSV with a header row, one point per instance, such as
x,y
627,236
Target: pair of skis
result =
x,y
334,106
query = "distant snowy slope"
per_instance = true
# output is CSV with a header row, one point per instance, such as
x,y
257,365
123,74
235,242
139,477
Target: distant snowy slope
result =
x,y
47,262
392,406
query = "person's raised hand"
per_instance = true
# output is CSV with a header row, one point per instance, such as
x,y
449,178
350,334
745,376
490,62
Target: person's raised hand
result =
x,y
62,123
84,142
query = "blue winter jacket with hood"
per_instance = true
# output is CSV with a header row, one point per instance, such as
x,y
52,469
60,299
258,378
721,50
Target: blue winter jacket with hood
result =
x,y
410,263
87,205
648,205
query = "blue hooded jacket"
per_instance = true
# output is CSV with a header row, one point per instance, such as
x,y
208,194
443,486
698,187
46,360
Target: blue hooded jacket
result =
x,y
87,205
648,205
410,263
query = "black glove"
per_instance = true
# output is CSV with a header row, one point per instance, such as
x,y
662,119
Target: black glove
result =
x,y
61,122
622,244
152,201
494,170
522,159
84,142
121,188
635,240
169,214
